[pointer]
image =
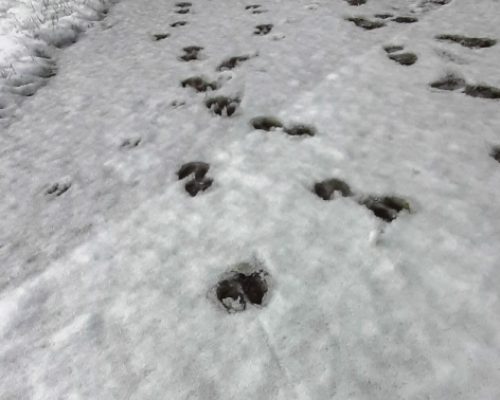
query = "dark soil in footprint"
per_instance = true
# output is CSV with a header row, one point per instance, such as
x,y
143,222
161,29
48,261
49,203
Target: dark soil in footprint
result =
x,y
178,23
449,82
263,29
356,2
405,20
222,105
199,182
57,189
393,48
470,42
239,289
495,153
130,143
366,23
160,36
232,63
191,53
199,84
266,123
300,130
482,91
197,168
386,207
406,59
332,188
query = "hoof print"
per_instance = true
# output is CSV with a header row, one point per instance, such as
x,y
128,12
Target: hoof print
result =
x,y
241,288
482,91
191,53
386,207
130,143
266,123
470,42
356,2
300,130
495,153
232,63
252,7
222,105
200,182
406,59
199,84
366,23
449,82
393,48
405,20
263,29
160,36
331,188
57,189
178,23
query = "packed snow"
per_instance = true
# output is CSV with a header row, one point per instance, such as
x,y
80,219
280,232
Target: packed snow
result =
x,y
346,168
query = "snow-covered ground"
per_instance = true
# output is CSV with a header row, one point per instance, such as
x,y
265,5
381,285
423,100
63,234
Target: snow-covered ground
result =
x,y
109,267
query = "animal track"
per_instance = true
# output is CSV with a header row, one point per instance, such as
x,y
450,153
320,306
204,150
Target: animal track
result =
x,y
331,188
404,58
199,84
393,48
300,130
482,91
449,82
495,153
57,189
252,7
386,207
356,2
405,20
183,7
199,182
366,23
470,42
178,23
263,29
239,289
232,63
183,4
222,105
160,36
192,53
266,123
130,143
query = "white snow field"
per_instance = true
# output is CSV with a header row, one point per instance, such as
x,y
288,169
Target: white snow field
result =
x,y
109,267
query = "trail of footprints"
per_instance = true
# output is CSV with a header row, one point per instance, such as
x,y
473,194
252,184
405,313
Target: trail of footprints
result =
x,y
248,284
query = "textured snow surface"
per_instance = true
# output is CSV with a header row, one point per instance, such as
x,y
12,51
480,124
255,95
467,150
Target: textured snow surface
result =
x,y
108,266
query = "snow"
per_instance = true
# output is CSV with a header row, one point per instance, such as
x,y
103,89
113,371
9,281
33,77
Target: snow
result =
x,y
107,289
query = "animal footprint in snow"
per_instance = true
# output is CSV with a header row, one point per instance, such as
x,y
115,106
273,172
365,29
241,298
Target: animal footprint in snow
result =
x,y
232,63
470,42
199,182
263,29
266,123
394,53
222,105
384,16
366,23
130,143
405,20
183,7
495,153
160,36
482,91
191,53
57,189
178,23
386,207
356,2
252,7
332,188
450,81
238,289
199,84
